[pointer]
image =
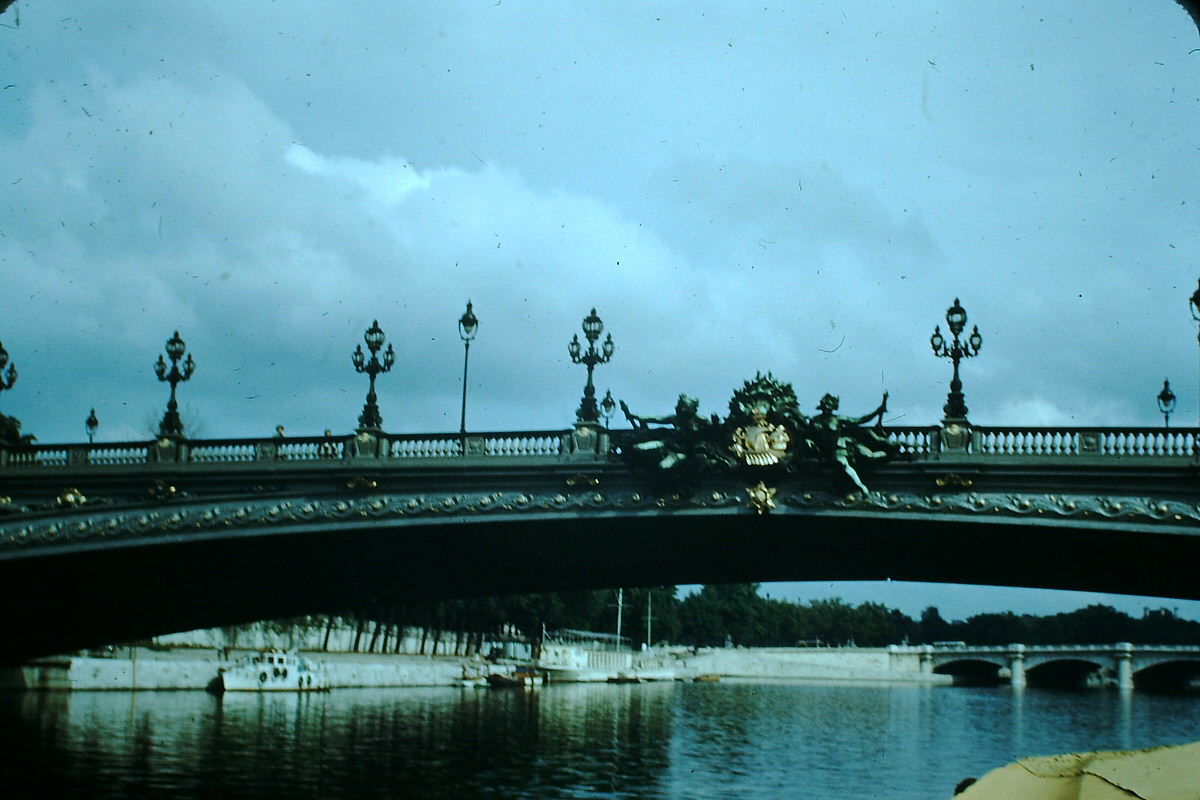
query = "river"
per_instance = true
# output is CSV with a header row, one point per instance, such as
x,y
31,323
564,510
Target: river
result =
x,y
657,740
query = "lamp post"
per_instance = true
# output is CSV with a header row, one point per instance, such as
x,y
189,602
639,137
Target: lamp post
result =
x,y
91,423
468,324
370,418
956,320
588,411
607,406
6,383
171,425
1194,305
1166,403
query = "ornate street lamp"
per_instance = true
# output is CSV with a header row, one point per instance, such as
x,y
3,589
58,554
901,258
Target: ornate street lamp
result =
x,y
91,423
6,383
468,324
607,406
1166,403
956,319
589,411
1194,305
172,425
370,418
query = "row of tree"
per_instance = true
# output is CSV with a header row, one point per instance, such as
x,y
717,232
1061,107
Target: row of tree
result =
x,y
738,614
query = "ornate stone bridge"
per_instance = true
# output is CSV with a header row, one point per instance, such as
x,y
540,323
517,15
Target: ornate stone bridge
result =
x,y
110,542
1122,665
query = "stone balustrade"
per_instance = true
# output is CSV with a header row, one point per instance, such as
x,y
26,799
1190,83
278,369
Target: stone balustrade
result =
x,y
916,443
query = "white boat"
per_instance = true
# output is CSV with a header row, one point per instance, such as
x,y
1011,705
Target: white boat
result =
x,y
583,657
271,671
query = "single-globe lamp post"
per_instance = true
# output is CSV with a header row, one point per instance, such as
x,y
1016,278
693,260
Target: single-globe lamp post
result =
x,y
1166,403
468,325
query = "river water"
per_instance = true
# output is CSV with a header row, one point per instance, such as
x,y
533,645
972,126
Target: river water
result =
x,y
657,740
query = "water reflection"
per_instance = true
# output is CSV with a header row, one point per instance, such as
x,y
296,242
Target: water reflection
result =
x,y
752,740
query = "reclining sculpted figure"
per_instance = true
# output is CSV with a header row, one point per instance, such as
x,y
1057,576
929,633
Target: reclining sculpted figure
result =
x,y
686,442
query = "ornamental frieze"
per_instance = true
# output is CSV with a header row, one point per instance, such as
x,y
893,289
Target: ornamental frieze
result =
x,y
113,524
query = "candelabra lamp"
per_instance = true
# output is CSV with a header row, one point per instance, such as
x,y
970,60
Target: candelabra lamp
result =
x,y
589,409
370,419
171,426
956,351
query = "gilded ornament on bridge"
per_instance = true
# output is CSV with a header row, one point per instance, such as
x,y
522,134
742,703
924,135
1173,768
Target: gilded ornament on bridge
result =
x,y
761,497
765,431
954,481
162,491
761,443
70,497
582,479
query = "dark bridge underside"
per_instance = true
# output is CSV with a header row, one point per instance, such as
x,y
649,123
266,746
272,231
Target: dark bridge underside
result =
x,y
67,598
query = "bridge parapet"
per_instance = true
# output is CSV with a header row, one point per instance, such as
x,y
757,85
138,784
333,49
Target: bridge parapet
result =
x,y
915,443
397,447
1100,442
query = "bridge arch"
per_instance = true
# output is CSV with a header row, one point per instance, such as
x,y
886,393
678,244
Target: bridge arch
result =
x,y
1173,675
976,671
1069,673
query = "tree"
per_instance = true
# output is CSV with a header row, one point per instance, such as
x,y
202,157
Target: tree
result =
x,y
932,628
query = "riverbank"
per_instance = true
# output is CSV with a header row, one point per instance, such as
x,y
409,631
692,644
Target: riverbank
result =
x,y
190,668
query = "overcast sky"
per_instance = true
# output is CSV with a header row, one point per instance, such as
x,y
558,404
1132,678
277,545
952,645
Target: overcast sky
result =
x,y
798,187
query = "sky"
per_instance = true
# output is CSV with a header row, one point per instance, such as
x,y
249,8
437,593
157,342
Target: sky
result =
x,y
802,188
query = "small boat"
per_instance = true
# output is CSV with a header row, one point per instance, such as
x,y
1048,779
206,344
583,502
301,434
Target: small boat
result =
x,y
624,677
518,679
271,671
707,677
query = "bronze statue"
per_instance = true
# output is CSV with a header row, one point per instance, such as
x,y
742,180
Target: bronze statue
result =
x,y
688,440
842,440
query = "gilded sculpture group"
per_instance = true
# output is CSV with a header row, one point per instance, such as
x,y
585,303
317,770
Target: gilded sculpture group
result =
x,y
765,429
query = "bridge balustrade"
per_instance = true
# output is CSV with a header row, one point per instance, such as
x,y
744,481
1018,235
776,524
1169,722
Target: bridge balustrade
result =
x,y
436,446
914,442
223,451
1123,442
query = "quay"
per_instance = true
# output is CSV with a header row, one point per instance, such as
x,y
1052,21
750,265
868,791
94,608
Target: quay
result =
x,y
1090,666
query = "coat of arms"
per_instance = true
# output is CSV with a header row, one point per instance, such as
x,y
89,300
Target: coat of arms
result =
x,y
761,443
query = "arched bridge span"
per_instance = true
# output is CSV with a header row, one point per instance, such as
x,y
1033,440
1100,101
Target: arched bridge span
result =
x,y
105,543
1122,665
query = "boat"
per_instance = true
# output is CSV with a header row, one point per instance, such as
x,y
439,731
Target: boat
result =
x,y
271,671
625,677
518,679
583,657
707,677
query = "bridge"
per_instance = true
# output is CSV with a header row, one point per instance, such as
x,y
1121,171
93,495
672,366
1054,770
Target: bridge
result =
x,y
1122,665
112,542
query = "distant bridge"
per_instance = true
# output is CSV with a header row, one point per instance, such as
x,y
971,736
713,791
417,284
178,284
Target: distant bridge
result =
x,y
1123,665
111,542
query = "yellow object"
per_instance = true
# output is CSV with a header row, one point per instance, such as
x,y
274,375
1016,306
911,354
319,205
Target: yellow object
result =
x,y
1160,773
